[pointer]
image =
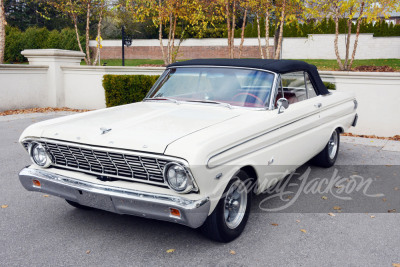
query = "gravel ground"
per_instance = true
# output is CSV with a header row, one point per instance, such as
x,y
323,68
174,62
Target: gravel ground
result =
x,y
40,230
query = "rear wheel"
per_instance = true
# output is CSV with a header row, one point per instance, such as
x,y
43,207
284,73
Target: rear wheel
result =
x,y
229,218
327,157
77,205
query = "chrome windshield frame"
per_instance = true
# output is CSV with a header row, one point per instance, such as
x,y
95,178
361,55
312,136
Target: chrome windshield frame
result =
x,y
268,105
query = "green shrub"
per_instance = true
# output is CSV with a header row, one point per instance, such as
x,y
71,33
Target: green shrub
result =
x,y
37,38
330,86
54,39
14,45
125,89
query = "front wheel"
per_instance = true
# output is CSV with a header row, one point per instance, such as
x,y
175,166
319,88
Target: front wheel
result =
x,y
327,157
229,218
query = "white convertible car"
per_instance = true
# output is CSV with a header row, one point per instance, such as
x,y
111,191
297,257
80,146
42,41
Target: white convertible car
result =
x,y
209,134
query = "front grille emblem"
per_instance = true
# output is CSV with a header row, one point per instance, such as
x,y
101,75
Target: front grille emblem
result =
x,y
105,130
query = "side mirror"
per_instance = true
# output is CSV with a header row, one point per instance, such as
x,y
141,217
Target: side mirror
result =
x,y
282,104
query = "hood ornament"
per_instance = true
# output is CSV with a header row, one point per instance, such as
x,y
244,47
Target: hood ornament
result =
x,y
104,130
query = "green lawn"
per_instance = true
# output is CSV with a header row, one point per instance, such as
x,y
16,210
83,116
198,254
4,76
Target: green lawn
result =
x,y
322,64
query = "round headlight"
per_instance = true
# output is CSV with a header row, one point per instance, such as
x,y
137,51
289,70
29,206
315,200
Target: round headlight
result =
x,y
178,178
39,155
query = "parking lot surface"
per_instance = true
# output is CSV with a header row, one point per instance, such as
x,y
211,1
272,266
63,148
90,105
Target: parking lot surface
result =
x,y
318,228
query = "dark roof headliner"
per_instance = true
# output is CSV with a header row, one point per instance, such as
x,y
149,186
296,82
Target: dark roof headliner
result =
x,y
277,66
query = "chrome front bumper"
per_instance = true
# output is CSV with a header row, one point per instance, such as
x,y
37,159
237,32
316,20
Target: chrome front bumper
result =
x,y
116,199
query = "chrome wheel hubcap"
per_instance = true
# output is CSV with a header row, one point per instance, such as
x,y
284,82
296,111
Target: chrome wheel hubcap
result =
x,y
333,145
235,204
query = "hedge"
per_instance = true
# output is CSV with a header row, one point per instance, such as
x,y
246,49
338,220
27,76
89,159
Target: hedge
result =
x,y
380,28
37,38
330,86
125,89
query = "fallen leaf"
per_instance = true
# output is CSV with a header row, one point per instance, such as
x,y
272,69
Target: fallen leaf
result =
x,y
331,214
4,206
384,199
338,186
304,231
372,216
87,251
289,197
170,250
45,195
324,197
391,211
396,188
337,208
396,264
232,252
298,221
274,224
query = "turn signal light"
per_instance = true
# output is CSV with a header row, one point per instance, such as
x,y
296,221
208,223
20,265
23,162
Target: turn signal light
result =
x,y
175,212
36,183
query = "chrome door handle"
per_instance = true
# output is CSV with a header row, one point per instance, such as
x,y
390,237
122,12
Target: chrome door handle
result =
x,y
318,105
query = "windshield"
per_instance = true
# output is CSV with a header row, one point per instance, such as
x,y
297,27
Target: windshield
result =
x,y
236,87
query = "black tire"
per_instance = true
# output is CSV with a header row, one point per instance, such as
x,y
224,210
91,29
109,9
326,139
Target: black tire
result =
x,y
325,158
215,227
77,205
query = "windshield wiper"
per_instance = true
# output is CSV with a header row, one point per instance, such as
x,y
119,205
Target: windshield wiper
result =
x,y
164,98
211,102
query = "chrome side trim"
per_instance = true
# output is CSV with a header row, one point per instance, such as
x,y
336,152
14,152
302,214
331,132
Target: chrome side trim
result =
x,y
117,199
251,139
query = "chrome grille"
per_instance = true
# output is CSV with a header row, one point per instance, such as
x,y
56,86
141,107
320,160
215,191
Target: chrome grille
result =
x,y
125,166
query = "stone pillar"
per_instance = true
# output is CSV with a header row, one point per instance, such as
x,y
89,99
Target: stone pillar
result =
x,y
54,59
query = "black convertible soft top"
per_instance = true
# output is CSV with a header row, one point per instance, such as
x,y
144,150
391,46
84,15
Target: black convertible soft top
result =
x,y
277,66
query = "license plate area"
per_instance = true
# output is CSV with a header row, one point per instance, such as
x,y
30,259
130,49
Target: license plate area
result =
x,y
95,200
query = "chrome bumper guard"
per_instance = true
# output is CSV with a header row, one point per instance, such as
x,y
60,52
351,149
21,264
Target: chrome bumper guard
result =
x,y
116,199
355,121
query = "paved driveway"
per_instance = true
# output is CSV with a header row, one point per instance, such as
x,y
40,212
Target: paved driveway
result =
x,y
39,230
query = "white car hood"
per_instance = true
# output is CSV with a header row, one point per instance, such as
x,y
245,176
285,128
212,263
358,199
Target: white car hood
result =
x,y
144,126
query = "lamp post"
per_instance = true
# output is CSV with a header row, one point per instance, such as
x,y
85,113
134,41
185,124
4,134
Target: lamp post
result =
x,y
126,41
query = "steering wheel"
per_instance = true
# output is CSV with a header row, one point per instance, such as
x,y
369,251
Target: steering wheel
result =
x,y
249,94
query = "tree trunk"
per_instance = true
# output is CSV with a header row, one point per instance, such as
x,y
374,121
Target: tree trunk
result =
x,y
276,35
357,34
88,59
267,34
179,45
339,61
279,46
3,24
259,36
161,42
242,34
233,29
99,33
228,22
160,34
346,59
78,38
169,40
173,54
